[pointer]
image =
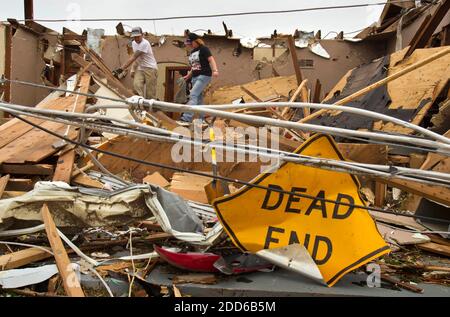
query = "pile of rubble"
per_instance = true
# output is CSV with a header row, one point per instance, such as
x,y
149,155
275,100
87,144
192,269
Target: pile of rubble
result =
x,y
354,197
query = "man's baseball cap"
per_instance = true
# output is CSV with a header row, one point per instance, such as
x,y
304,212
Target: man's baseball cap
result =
x,y
136,31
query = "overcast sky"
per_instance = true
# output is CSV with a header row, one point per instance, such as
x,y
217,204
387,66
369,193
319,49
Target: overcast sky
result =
x,y
346,20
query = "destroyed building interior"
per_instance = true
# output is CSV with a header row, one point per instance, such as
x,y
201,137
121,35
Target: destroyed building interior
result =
x,y
317,163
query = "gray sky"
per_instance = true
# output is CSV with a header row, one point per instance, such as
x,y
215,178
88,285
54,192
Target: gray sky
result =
x,y
346,20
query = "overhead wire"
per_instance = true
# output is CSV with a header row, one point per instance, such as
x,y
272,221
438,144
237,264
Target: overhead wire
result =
x,y
203,16
355,168
223,178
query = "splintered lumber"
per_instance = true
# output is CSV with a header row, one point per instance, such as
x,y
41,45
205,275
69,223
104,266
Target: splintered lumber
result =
x,y
21,258
317,92
383,81
191,187
156,179
106,71
436,193
20,184
426,31
63,171
401,284
3,182
293,51
16,128
70,280
66,161
87,181
27,169
117,85
197,278
435,248
295,96
264,89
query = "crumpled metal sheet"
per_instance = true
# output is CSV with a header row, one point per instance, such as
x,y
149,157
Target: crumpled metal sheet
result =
x,y
318,49
29,276
294,257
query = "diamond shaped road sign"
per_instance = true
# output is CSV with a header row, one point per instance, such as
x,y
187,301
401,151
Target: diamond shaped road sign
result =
x,y
325,214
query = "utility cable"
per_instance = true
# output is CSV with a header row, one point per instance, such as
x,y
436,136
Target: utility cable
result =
x,y
336,7
226,179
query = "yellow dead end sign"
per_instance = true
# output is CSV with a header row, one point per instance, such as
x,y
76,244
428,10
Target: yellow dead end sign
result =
x,y
339,237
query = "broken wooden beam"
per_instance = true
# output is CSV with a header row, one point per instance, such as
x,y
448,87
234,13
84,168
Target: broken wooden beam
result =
x,y
23,257
3,182
435,248
27,169
425,32
20,184
64,167
294,57
70,280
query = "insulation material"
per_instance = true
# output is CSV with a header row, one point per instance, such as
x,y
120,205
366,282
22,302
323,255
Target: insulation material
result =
x,y
73,206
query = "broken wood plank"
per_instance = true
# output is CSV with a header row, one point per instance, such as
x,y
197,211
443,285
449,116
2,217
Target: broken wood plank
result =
x,y
427,31
70,280
317,92
196,278
380,194
251,94
435,248
3,182
295,64
27,169
295,96
21,258
436,193
20,184
191,187
16,128
86,181
106,71
156,179
64,168
401,284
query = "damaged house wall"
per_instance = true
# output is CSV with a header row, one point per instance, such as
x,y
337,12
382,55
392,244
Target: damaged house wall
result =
x,y
409,31
26,65
248,66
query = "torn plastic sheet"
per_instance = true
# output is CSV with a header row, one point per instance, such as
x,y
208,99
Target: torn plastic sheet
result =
x,y
294,257
23,277
318,49
304,39
213,263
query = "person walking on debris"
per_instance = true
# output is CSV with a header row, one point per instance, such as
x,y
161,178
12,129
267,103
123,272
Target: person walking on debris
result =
x,y
145,70
203,67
